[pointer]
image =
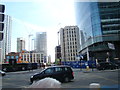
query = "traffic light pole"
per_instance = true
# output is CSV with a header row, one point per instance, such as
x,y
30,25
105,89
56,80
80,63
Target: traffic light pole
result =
x,y
2,9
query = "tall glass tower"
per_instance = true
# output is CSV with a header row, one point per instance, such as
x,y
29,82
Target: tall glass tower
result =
x,y
99,23
41,44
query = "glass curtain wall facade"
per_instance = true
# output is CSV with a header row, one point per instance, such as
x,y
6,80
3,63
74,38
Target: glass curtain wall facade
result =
x,y
99,24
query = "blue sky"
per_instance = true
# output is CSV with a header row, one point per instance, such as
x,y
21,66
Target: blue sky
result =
x,y
45,15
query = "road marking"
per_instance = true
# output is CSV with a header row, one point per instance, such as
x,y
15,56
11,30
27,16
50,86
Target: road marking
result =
x,y
106,78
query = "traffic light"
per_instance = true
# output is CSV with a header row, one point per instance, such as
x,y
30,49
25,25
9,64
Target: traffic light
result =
x,y
1,36
2,8
1,31
2,16
1,26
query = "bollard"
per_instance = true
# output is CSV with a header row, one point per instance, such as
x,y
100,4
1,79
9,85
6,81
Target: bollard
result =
x,y
94,86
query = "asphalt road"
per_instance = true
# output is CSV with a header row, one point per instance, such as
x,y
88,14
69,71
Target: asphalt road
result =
x,y
106,79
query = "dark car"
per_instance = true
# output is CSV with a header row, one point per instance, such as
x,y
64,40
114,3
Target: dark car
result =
x,y
106,65
60,73
117,62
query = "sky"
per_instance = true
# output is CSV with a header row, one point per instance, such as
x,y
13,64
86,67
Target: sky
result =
x,y
29,17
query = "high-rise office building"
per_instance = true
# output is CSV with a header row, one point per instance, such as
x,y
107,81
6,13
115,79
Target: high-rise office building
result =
x,y
41,44
5,44
20,44
49,59
69,41
100,24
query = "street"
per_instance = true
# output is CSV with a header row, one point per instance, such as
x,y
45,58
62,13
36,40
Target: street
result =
x,y
106,79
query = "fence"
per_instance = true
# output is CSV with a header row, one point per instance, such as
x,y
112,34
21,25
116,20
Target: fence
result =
x,y
80,64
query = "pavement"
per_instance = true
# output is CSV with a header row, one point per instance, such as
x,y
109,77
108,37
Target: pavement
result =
x,y
27,71
93,70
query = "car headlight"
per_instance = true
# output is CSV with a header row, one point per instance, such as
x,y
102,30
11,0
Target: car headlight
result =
x,y
31,77
3,72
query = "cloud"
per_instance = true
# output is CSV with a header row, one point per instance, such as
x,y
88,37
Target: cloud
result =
x,y
29,25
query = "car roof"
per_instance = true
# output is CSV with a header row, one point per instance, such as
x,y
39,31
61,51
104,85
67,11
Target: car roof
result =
x,y
55,67
58,66
104,62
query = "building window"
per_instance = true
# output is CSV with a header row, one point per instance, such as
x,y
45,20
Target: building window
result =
x,y
72,31
16,57
8,57
75,39
12,57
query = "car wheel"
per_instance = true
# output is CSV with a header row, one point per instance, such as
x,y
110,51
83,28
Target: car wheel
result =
x,y
31,81
116,67
3,74
66,79
112,68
